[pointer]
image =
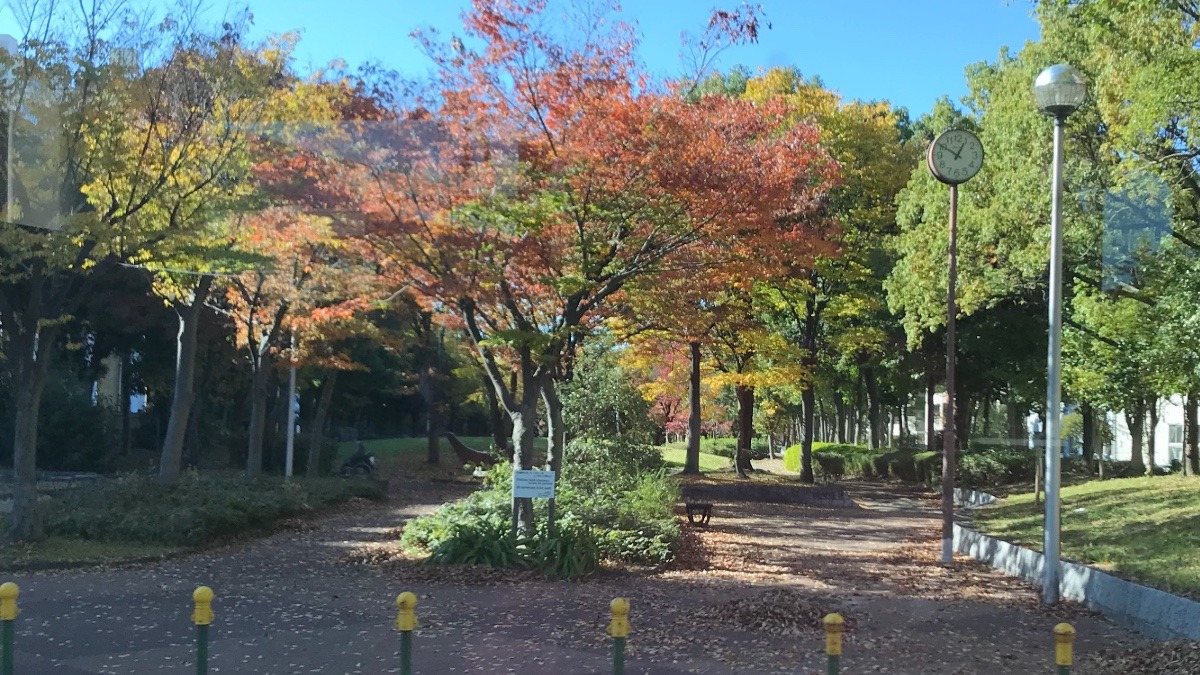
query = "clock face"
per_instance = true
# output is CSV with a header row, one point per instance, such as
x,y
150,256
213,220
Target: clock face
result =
x,y
955,156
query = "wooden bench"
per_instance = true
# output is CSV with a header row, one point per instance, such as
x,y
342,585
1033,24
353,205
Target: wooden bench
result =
x,y
698,513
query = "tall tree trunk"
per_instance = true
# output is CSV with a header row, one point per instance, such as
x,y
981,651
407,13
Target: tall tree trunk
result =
x,y
1089,435
808,396
962,421
745,399
691,461
987,416
259,393
30,356
556,438
126,440
501,424
874,420
426,383
191,437
1191,448
524,420
1135,419
1152,434
929,391
316,435
842,422
183,395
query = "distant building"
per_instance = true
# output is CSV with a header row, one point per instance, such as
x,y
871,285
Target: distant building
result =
x,y
1168,435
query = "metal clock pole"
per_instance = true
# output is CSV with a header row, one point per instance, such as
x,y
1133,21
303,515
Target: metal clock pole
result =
x,y
949,432
953,166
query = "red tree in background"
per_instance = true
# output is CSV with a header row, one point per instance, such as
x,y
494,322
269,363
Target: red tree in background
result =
x,y
548,176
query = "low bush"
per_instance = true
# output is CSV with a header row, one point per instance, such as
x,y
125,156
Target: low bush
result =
x,y
727,447
200,510
994,467
608,508
830,467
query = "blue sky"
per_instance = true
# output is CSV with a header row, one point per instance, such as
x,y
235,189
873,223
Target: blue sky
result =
x,y
909,52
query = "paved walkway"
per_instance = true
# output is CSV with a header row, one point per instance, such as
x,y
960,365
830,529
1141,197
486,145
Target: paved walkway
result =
x,y
743,599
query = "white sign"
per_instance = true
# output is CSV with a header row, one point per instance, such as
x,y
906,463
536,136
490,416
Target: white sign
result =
x,y
533,483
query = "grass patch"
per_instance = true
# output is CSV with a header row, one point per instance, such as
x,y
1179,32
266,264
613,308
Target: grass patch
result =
x,y
1143,529
674,455
57,552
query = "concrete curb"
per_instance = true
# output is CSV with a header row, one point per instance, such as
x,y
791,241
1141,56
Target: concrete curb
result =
x,y
1154,613
969,498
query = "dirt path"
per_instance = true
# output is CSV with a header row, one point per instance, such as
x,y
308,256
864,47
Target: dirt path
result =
x,y
745,597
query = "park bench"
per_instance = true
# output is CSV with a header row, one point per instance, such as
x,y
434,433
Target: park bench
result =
x,y
698,513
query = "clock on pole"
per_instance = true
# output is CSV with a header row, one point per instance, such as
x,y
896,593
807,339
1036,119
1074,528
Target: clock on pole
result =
x,y
954,157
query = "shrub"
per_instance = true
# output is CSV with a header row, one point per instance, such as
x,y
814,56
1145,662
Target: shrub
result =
x,y
610,456
991,468
485,540
791,457
570,551
199,511
830,467
604,512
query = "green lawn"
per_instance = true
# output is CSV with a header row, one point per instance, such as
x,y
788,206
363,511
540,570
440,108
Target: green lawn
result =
x,y
1143,529
675,453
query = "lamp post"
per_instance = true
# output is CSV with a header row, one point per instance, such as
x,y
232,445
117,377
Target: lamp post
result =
x,y
1059,91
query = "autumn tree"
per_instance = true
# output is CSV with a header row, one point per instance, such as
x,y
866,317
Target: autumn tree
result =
x,y
116,151
555,177
837,298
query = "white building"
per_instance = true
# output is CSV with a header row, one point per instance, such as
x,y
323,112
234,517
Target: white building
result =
x,y
1168,435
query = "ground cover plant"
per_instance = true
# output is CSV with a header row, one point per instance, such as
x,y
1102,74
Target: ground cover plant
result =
x,y
1144,529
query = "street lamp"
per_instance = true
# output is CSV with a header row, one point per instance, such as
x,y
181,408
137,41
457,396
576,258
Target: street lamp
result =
x,y
1059,91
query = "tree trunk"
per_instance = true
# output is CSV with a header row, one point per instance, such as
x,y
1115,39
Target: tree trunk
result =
x,y
929,391
840,414
524,420
808,395
500,422
1151,435
126,440
556,438
987,416
745,399
1089,435
1191,447
433,417
184,395
875,422
691,462
1135,419
962,421
316,434
259,393
30,356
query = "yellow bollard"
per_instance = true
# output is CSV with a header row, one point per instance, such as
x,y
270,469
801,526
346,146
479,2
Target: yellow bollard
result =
x,y
1064,639
834,625
618,630
406,623
8,615
202,616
